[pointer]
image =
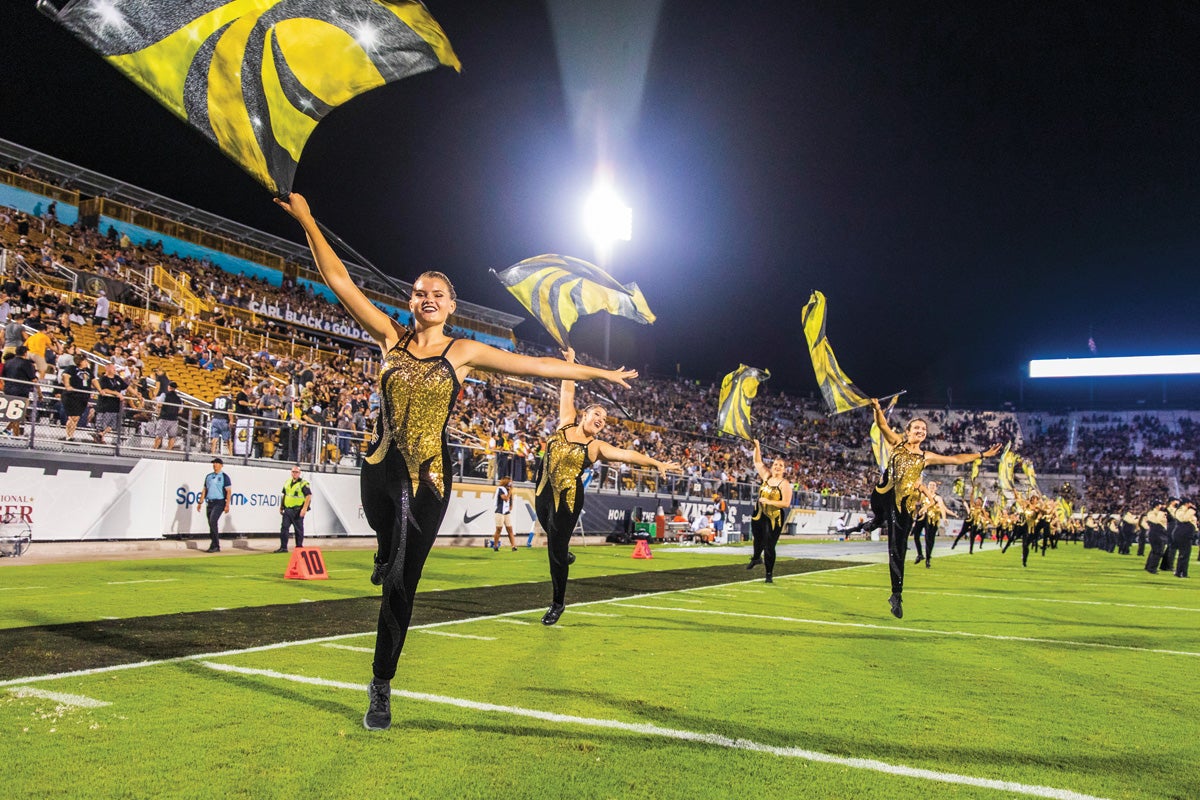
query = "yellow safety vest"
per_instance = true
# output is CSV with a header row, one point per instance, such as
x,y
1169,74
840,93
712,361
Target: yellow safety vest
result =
x,y
293,493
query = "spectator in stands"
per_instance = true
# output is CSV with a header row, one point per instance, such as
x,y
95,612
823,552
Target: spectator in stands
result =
x,y
14,332
20,376
221,427
39,344
78,383
169,407
109,388
406,476
101,313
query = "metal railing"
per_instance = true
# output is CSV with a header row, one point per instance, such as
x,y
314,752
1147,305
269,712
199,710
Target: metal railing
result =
x,y
34,416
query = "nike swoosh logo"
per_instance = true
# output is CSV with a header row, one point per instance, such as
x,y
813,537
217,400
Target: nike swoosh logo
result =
x,y
467,520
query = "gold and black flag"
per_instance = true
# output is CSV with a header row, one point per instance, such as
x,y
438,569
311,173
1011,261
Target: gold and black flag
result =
x,y
1005,469
839,391
558,290
256,76
737,390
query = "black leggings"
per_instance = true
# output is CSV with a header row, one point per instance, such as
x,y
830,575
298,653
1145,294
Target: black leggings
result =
x,y
766,535
559,525
900,525
405,526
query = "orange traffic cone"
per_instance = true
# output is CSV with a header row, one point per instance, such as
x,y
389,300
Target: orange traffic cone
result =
x,y
642,550
306,564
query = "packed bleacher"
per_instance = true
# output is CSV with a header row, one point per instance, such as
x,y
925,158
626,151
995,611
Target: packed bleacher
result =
x,y
295,376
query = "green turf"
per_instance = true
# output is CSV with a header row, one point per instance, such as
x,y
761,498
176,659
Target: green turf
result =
x,y
813,662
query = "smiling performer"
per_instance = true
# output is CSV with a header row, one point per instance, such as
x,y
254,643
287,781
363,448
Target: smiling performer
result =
x,y
405,480
572,450
774,498
904,471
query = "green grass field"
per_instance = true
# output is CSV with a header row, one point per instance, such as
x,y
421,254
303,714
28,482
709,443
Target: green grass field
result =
x,y
1075,677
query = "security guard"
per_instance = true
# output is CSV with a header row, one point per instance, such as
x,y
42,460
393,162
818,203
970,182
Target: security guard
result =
x,y
293,509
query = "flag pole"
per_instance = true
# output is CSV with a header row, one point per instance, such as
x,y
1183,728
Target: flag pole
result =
x,y
350,251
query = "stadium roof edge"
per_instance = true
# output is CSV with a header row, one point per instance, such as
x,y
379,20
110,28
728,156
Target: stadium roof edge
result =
x,y
89,181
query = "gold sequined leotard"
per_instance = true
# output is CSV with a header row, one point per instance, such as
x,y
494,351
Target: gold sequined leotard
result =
x,y
905,473
773,513
562,466
416,395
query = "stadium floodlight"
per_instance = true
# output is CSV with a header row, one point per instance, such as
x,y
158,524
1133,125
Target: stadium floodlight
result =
x,y
1109,367
607,218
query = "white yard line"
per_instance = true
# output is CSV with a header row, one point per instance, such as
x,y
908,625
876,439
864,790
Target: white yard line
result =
x,y
592,614
511,621
461,635
18,588
355,648
1008,597
76,700
930,631
714,739
149,580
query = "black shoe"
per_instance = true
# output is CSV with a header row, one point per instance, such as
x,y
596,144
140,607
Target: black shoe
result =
x,y
570,561
754,562
919,559
379,572
551,616
213,549
897,609
379,712
280,550
928,563
769,578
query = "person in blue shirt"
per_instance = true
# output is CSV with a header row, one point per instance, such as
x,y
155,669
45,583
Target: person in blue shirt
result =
x,y
215,496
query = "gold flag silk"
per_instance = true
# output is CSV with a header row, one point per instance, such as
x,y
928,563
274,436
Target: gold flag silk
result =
x,y
256,76
737,390
558,290
1004,471
839,391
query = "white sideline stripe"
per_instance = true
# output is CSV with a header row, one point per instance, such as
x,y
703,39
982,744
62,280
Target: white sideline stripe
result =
x,y
149,580
687,600
18,588
76,700
461,635
592,614
1019,598
322,639
353,647
718,740
512,621
964,634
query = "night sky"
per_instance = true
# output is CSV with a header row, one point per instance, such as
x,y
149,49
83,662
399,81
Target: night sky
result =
x,y
970,187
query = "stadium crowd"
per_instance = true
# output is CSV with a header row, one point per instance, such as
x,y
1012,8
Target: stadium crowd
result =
x,y
1126,459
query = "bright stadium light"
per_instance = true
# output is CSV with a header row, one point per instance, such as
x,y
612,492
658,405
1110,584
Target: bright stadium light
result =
x,y
606,218
1107,367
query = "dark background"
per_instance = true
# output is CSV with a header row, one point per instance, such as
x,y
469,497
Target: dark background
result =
x,y
970,187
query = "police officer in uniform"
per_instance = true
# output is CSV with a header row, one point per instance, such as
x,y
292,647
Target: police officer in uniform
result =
x,y
216,496
296,499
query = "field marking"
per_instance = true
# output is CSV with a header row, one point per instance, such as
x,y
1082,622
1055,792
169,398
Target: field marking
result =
x,y
341,636
1020,598
75,700
18,588
513,621
353,647
646,729
870,626
148,580
593,614
461,635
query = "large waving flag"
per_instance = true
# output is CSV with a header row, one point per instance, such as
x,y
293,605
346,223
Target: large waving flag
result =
x,y
1030,475
839,391
879,445
1004,471
737,390
256,76
558,290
